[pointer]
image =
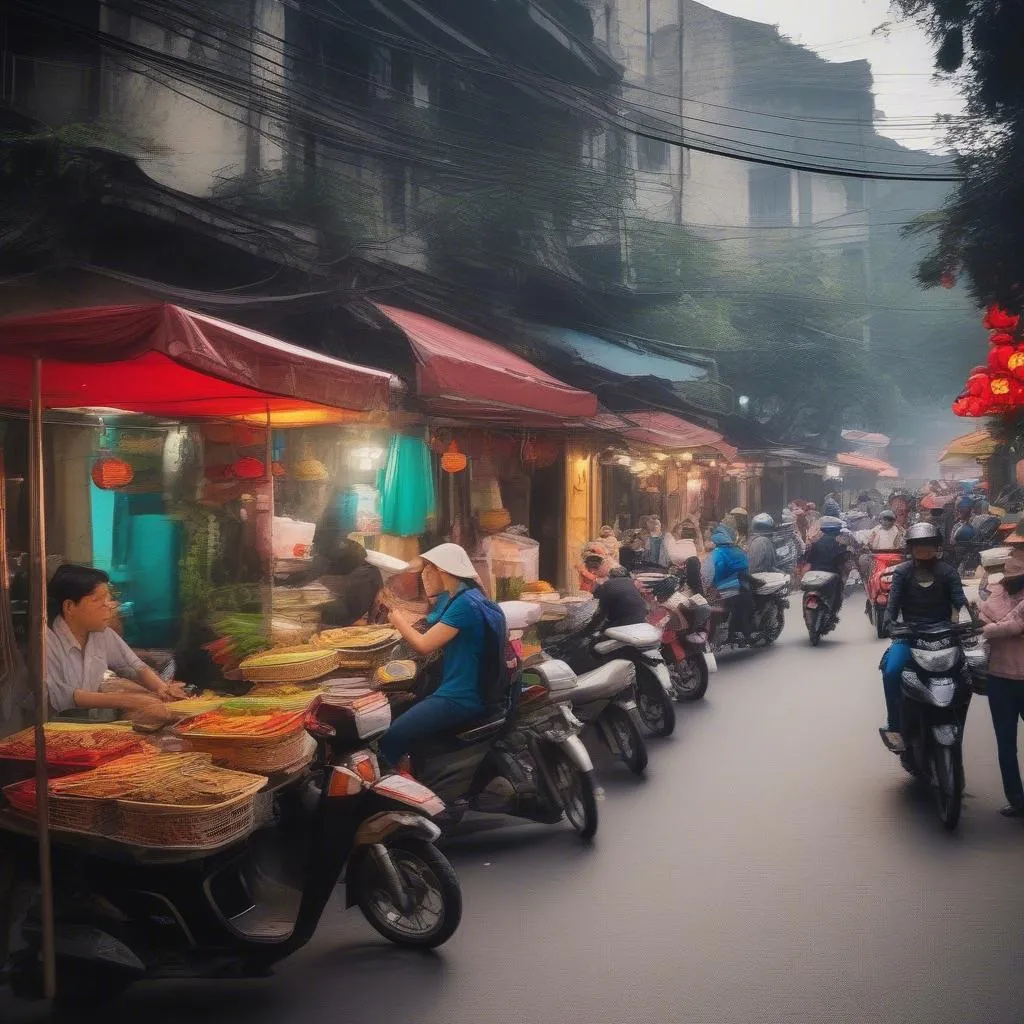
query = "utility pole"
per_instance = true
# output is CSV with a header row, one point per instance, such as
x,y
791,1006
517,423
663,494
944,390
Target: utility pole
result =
x,y
682,134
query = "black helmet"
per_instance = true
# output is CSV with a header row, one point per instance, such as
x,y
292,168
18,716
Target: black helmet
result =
x,y
923,533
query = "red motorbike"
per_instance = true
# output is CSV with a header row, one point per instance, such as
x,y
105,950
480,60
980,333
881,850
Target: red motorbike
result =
x,y
878,586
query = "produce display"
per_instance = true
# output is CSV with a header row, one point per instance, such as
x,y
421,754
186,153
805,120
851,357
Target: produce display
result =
x,y
247,723
357,638
73,744
289,664
538,587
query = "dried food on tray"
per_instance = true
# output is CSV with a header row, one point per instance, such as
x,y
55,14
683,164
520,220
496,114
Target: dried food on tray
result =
x,y
300,664
74,744
121,777
223,725
357,638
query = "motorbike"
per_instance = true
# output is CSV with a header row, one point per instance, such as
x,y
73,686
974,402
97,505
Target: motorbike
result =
x,y
584,646
937,685
878,586
820,614
125,913
684,621
771,599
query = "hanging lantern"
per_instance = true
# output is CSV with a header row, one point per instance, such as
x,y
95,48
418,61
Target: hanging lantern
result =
x,y
999,357
978,384
437,446
529,453
960,406
109,473
1001,388
998,319
1015,364
1001,338
278,469
248,468
547,453
308,469
453,461
947,279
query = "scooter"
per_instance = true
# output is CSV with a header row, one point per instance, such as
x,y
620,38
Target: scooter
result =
x,y
586,648
771,599
820,614
878,586
125,913
937,685
684,620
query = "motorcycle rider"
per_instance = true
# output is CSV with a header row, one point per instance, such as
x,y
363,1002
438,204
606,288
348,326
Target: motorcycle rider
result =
x,y
886,536
761,550
924,590
620,603
725,568
829,554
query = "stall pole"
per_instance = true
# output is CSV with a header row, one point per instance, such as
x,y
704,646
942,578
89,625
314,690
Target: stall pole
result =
x,y
37,664
268,592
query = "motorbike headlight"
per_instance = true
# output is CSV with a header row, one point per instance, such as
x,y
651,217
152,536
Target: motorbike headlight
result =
x,y
942,691
935,661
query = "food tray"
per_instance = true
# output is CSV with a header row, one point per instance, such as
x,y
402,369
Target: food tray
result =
x,y
68,812
263,730
301,672
216,825
352,639
74,744
281,755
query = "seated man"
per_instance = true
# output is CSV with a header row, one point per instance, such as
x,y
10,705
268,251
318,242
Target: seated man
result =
x,y
351,579
725,569
829,554
81,648
620,603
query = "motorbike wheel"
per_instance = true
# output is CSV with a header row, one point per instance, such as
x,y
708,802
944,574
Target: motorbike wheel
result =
x,y
773,623
430,878
948,764
689,678
576,793
879,623
813,630
632,749
654,705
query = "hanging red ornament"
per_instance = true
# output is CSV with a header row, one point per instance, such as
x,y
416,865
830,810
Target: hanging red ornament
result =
x,y
453,461
947,279
437,446
1001,388
1015,363
998,319
960,406
529,453
1001,338
978,383
999,357
248,468
277,469
109,473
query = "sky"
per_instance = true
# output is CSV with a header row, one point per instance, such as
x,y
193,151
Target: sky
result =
x,y
901,61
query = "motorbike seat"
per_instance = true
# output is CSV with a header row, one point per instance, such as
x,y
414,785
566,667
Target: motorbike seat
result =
x,y
480,729
604,682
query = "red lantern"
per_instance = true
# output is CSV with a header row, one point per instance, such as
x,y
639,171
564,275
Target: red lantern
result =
x,y
999,357
1015,363
960,406
1001,338
453,461
1001,389
978,384
998,319
108,473
436,444
277,469
218,474
248,468
947,279
529,453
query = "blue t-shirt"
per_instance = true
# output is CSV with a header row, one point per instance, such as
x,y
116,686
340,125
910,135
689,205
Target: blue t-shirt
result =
x,y
460,667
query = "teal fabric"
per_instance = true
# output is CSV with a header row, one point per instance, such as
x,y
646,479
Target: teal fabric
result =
x,y
460,669
406,485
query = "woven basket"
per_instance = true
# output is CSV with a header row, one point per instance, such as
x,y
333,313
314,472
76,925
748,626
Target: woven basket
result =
x,y
305,672
202,827
74,813
367,661
266,758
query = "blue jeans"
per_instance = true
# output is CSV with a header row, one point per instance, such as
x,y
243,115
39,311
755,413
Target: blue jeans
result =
x,y
1006,703
894,661
431,715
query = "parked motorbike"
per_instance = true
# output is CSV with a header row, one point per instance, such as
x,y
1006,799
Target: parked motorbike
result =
x,y
819,605
581,643
937,687
127,913
878,586
684,621
771,599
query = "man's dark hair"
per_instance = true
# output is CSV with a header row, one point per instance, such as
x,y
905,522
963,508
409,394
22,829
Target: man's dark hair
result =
x,y
592,562
72,583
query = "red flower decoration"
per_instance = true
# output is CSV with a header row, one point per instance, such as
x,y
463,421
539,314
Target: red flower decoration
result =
x,y
1001,338
999,357
998,319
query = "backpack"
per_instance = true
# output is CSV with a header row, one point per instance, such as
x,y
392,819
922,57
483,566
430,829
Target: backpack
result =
x,y
499,681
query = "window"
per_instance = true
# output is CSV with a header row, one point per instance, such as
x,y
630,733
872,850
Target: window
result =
x,y
854,194
771,201
806,198
422,84
395,209
651,154
380,72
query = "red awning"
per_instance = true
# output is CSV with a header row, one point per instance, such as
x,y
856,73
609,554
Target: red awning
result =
x,y
168,361
459,374
663,430
868,464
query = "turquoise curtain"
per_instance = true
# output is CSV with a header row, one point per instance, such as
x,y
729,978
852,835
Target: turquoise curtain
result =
x,y
406,485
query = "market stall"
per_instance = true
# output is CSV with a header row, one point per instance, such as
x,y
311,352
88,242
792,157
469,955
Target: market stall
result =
x,y
132,389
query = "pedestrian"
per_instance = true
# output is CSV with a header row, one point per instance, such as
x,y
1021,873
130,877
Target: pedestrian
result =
x,y
1003,615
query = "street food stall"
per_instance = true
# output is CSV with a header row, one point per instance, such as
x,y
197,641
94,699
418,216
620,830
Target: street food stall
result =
x,y
152,406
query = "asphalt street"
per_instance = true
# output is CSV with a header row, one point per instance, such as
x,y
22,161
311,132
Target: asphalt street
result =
x,y
776,865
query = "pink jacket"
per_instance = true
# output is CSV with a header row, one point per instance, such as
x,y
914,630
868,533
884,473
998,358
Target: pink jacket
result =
x,y
1003,615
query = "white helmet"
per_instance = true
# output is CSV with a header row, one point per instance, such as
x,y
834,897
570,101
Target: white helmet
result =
x,y
763,522
452,559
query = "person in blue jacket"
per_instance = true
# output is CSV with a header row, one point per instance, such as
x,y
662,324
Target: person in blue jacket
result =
x,y
725,569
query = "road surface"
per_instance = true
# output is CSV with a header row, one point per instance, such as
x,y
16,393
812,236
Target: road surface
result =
x,y
776,865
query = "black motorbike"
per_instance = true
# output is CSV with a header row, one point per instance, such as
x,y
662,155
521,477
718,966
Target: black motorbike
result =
x,y
936,685
821,614
125,913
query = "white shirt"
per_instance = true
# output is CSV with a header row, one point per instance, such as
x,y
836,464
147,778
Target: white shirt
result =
x,y
881,539
69,668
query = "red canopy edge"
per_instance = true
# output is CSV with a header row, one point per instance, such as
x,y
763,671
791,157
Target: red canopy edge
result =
x,y
866,462
461,375
664,430
161,359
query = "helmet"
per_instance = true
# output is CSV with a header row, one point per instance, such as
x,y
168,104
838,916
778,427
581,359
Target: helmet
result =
x,y
830,524
923,533
763,522
739,510
887,513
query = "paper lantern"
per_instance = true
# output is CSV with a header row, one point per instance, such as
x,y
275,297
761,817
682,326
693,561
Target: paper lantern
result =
x,y
998,319
248,468
1001,388
947,279
1015,363
1001,338
960,406
453,461
109,473
310,470
218,474
978,384
529,453
999,357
